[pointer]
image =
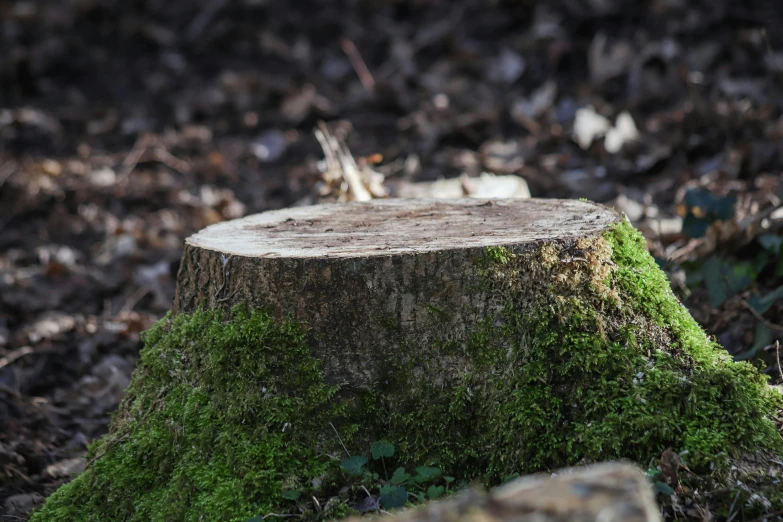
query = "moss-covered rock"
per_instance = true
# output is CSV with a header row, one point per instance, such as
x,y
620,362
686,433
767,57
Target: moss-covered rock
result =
x,y
588,357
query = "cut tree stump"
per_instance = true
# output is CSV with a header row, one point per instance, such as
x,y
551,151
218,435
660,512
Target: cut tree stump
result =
x,y
481,338
374,280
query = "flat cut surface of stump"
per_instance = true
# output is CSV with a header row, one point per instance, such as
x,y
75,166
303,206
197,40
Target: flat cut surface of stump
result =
x,y
399,226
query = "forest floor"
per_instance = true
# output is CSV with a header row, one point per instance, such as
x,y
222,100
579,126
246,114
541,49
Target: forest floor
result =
x,y
127,126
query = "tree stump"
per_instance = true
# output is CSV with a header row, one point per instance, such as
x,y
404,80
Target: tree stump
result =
x,y
484,338
373,281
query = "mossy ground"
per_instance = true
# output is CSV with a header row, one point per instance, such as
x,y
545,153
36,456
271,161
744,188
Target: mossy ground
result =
x,y
219,418
589,357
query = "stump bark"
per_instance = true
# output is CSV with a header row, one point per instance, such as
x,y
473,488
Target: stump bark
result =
x,y
377,280
483,338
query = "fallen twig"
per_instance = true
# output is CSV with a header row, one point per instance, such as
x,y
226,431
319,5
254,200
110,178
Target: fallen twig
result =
x,y
203,19
16,354
134,156
171,161
768,324
133,299
6,171
341,440
340,163
368,82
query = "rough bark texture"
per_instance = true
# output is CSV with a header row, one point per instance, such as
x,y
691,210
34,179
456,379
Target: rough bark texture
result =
x,y
612,492
367,278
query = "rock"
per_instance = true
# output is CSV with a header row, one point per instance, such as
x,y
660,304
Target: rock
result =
x,y
611,492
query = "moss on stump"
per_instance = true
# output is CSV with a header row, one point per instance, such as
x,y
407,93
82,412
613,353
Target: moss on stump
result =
x,y
576,350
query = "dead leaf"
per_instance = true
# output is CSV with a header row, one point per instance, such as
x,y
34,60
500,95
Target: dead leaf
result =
x,y
670,467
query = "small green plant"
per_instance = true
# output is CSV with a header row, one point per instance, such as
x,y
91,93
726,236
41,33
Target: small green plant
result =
x,y
757,273
701,208
422,484
381,491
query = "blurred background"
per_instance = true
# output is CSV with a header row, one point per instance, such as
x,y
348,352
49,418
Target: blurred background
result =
x,y
126,126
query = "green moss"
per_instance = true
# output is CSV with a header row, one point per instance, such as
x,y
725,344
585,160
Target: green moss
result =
x,y
498,255
586,355
590,357
219,418
721,406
